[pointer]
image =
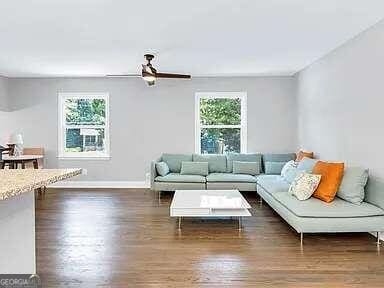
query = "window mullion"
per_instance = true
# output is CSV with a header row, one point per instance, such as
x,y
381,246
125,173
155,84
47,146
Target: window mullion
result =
x,y
84,126
220,126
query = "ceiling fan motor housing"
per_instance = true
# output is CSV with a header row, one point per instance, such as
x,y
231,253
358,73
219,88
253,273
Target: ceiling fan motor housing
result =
x,y
149,58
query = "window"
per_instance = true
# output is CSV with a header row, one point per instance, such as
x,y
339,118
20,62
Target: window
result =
x,y
221,123
83,125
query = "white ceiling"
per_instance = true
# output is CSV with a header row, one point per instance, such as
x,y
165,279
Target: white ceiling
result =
x,y
201,37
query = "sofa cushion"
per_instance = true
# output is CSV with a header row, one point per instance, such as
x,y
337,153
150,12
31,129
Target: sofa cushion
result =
x,y
230,177
331,176
274,168
243,158
216,162
307,164
162,168
273,183
194,168
285,157
374,192
174,161
176,177
303,186
281,158
352,186
338,208
250,168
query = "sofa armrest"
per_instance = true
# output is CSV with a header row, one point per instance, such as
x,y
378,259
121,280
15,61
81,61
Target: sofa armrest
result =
x,y
153,173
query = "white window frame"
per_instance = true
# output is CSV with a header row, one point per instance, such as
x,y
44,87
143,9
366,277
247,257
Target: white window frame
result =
x,y
243,123
62,127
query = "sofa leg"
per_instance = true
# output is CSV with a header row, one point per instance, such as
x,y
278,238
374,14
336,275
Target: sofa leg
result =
x,y
378,238
159,192
179,223
301,238
240,224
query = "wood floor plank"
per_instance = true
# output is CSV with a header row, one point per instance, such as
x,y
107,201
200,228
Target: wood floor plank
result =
x,y
125,238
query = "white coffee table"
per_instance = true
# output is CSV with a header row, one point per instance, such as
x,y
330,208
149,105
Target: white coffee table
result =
x,y
209,203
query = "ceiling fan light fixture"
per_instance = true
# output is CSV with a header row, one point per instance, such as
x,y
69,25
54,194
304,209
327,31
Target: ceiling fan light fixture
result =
x,y
149,78
151,83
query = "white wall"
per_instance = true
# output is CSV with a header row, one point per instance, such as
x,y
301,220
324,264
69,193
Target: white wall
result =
x,y
341,103
146,121
3,93
6,121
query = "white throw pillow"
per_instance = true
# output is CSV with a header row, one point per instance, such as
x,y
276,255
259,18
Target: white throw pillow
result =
x,y
290,171
304,185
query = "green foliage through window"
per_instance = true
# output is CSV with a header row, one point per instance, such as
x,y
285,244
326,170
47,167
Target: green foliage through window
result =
x,y
220,140
85,111
220,111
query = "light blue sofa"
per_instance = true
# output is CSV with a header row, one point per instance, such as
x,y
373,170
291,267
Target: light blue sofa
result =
x,y
220,175
316,216
310,216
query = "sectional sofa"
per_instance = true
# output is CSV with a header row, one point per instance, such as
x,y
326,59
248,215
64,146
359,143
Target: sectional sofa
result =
x,y
309,216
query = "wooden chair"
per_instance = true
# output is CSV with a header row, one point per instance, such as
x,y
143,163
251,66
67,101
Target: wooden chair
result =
x,y
3,151
35,151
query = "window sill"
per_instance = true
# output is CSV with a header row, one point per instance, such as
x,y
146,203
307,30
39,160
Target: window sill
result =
x,y
102,158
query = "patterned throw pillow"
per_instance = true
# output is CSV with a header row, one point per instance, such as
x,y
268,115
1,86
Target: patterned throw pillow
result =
x,y
304,185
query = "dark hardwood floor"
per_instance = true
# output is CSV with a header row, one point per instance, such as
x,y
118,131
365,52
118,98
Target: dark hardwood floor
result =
x,y
123,238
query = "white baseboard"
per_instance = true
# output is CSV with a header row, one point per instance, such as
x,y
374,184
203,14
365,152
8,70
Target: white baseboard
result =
x,y
100,184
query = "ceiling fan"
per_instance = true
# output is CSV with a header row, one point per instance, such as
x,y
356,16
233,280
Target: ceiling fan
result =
x,y
150,74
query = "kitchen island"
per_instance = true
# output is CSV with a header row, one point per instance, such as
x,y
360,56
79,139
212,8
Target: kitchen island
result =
x,y
17,215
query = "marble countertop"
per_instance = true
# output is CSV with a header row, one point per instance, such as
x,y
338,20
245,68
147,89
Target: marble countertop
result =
x,y
14,182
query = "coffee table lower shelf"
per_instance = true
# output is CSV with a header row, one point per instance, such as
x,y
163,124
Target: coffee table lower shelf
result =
x,y
209,212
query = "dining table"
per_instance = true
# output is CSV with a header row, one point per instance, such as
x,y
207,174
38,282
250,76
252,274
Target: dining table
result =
x,y
15,161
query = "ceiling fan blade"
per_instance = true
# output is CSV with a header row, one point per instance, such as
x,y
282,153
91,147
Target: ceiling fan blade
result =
x,y
172,75
123,75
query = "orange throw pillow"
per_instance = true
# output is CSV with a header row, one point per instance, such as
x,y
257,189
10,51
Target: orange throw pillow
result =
x,y
303,154
331,176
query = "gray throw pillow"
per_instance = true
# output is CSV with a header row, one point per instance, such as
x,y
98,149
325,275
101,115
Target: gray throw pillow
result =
x,y
307,164
352,187
194,168
250,168
243,157
274,167
162,168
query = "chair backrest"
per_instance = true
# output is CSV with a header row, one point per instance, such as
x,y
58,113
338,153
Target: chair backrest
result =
x,y
35,151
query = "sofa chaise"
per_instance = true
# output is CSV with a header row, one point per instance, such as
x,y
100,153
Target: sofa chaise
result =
x,y
316,216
